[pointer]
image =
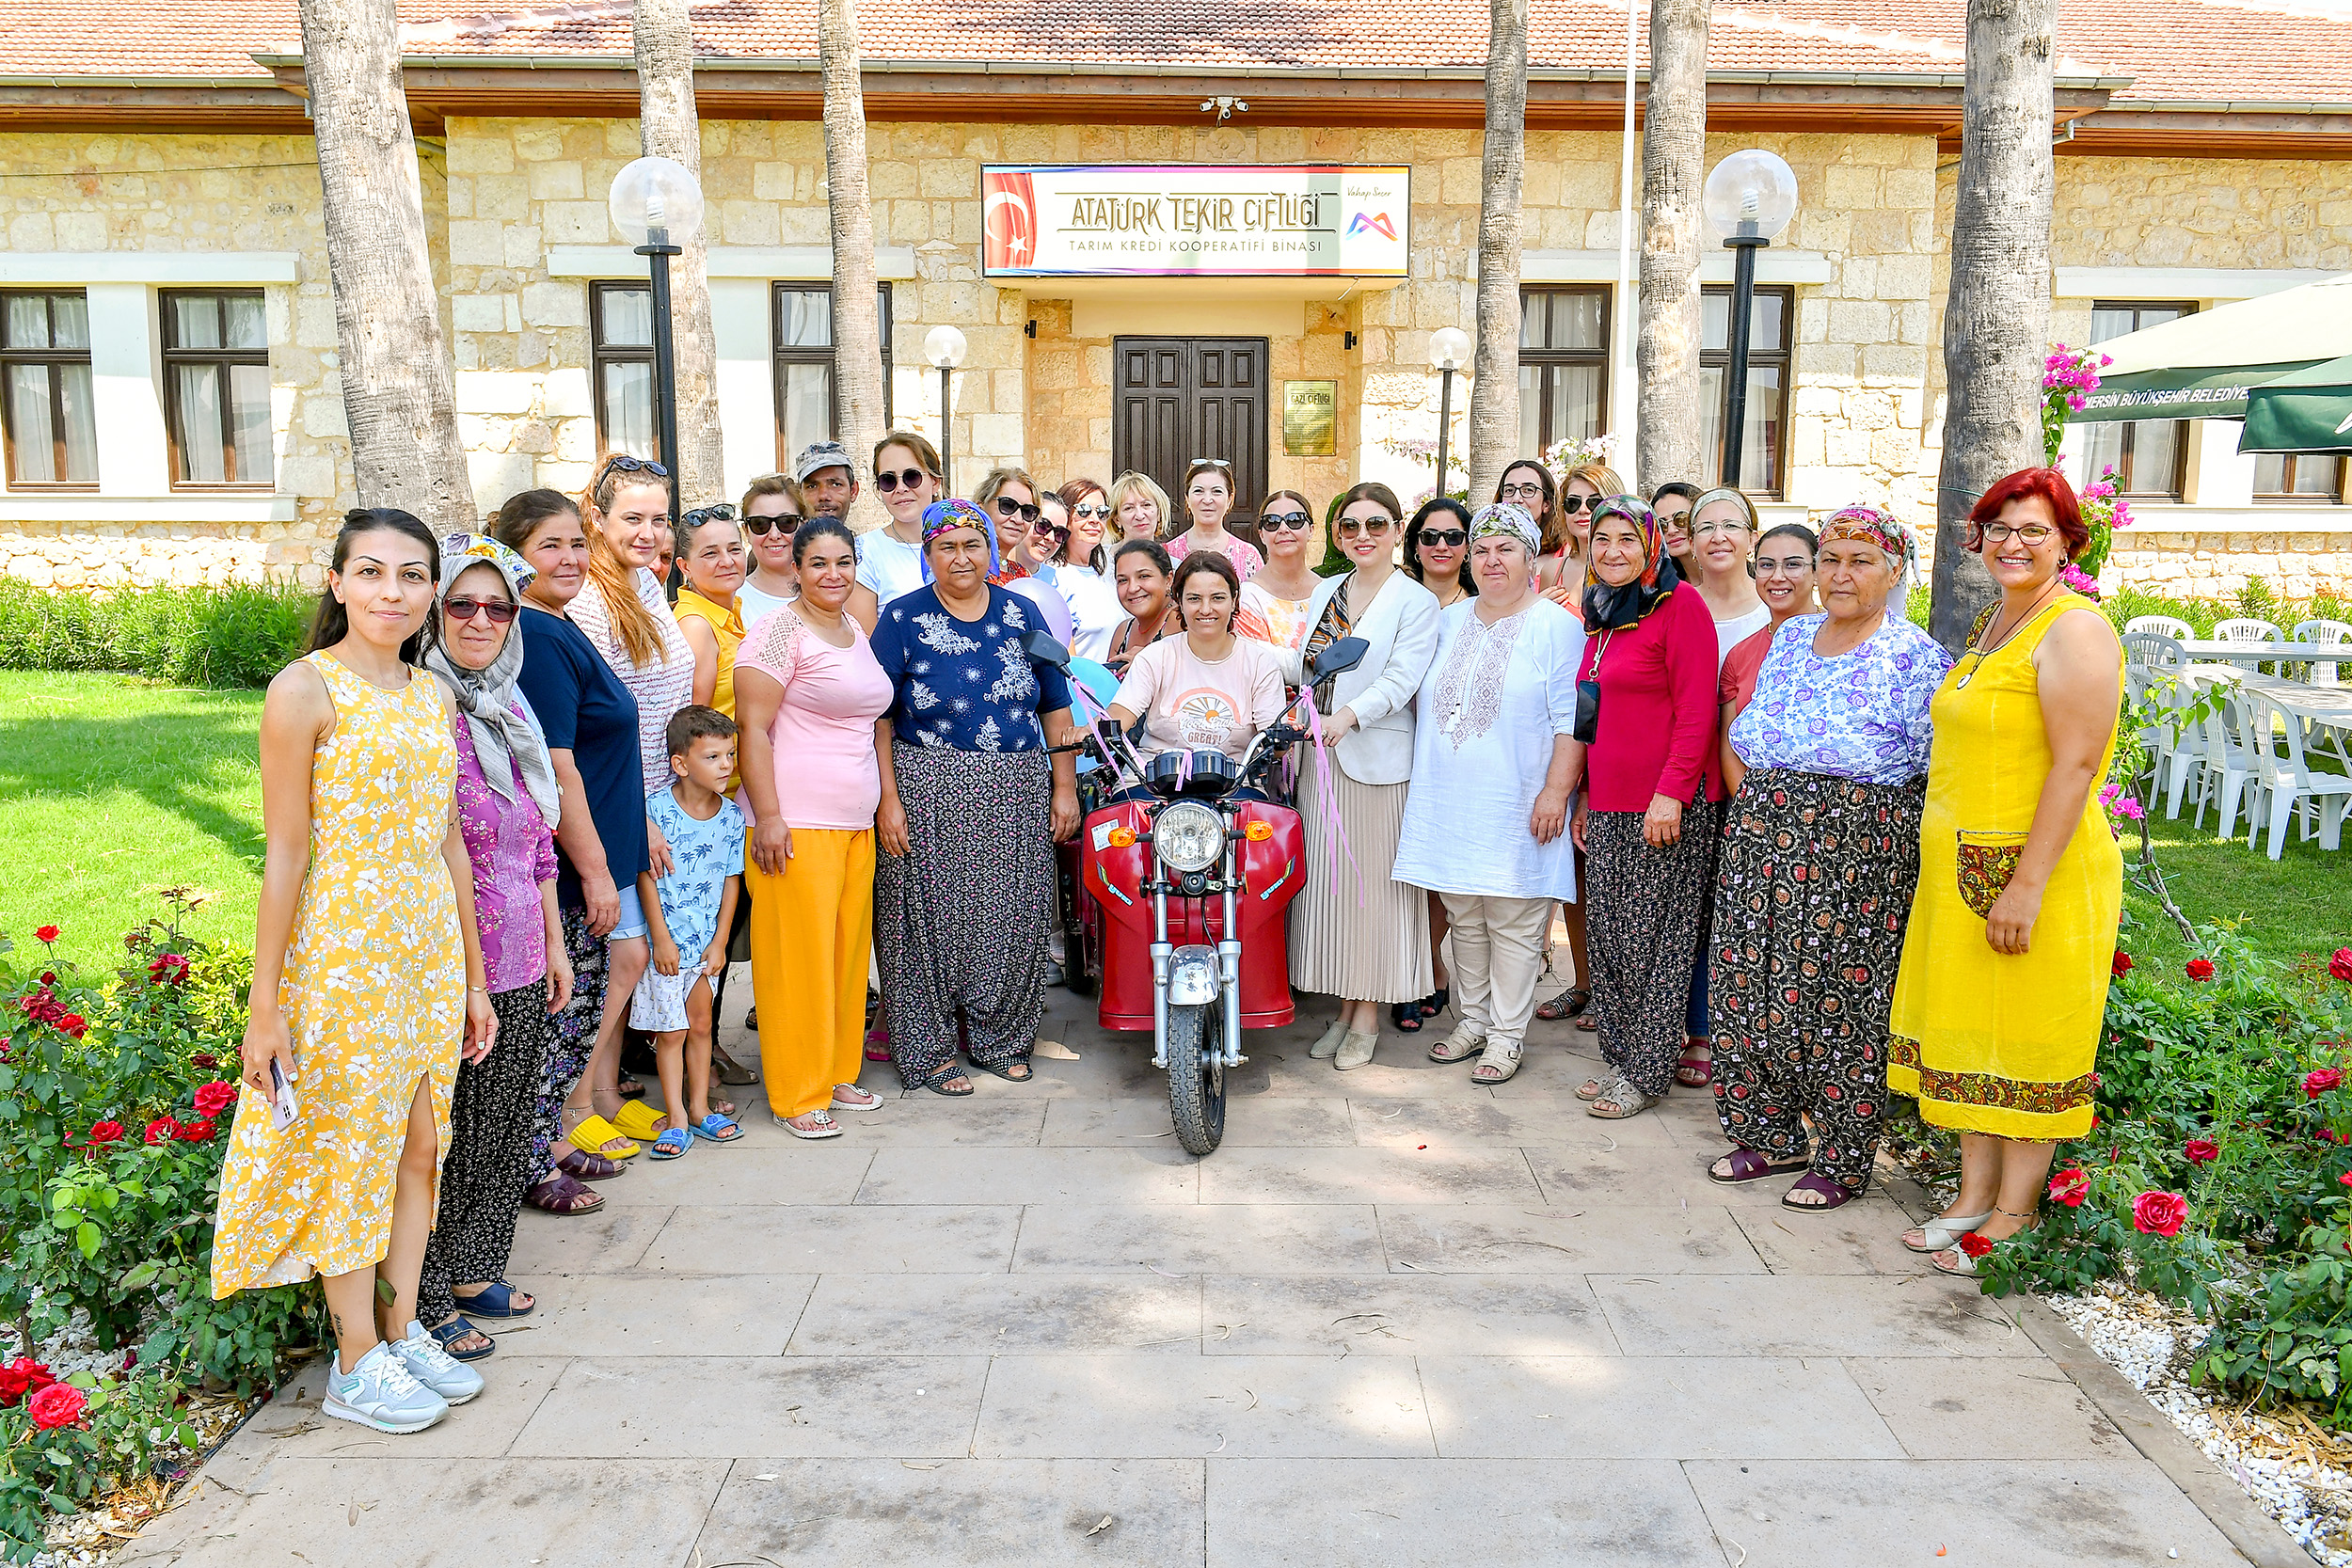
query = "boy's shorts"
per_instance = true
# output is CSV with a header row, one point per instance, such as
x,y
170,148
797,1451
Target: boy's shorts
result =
x,y
660,1006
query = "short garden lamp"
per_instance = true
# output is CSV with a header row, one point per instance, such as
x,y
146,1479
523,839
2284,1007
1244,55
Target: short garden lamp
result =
x,y
943,346
1450,351
657,204
1750,197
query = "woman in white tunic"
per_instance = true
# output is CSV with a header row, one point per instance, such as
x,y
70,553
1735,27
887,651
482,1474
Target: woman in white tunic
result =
x,y
1494,763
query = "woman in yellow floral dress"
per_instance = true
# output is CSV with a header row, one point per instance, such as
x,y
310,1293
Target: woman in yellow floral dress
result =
x,y
2006,962
367,982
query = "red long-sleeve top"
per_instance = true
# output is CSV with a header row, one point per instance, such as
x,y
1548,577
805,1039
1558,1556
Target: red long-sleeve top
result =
x,y
1656,733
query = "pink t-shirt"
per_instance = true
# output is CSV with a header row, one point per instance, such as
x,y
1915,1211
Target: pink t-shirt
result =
x,y
823,733
1189,705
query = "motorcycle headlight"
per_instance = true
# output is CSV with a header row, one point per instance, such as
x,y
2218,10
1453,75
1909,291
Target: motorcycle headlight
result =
x,y
1189,836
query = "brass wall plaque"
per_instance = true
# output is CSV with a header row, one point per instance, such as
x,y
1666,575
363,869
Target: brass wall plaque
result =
x,y
1311,418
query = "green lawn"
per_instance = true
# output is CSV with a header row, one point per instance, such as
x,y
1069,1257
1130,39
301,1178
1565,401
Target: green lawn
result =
x,y
111,789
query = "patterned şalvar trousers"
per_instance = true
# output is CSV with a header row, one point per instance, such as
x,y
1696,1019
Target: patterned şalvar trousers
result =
x,y
1642,926
488,1165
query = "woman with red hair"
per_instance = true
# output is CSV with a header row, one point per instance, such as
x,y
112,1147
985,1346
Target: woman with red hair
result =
x,y
2007,958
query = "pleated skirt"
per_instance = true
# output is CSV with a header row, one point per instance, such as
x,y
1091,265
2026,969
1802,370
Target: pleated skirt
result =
x,y
1367,940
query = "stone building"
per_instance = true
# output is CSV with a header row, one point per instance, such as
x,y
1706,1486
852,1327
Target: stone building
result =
x,y
169,348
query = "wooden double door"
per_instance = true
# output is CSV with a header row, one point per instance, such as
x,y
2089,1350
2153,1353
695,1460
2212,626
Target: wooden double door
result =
x,y
1178,399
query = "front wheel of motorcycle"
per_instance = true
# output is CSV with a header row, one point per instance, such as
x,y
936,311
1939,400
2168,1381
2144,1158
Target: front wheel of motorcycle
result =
x,y
1196,1075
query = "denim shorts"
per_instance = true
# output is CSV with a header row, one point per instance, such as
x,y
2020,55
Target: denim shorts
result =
x,y
632,922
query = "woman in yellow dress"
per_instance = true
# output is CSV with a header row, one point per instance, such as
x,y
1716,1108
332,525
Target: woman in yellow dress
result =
x,y
2004,981
367,982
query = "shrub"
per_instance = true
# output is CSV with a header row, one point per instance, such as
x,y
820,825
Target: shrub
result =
x,y
239,635
63,1444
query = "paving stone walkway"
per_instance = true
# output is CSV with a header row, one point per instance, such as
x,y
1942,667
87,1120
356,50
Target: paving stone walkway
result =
x,y
1398,1319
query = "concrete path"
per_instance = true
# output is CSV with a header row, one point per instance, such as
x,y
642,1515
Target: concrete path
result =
x,y
1398,1319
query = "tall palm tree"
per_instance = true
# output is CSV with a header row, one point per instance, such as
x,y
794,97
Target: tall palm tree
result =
x,y
398,400
858,369
1494,418
1996,313
668,127
1674,174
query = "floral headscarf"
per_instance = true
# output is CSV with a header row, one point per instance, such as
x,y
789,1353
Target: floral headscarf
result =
x,y
1889,533
945,517
1608,609
1508,517
503,741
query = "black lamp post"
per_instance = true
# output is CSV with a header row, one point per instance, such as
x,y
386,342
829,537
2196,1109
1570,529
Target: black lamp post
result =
x,y
943,346
1750,197
658,203
1449,347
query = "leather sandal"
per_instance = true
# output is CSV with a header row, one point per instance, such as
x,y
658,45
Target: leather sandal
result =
x,y
561,1194
1746,1164
582,1166
1499,1063
1407,1016
1460,1046
1833,1195
1943,1233
1568,1004
1694,1073
1620,1101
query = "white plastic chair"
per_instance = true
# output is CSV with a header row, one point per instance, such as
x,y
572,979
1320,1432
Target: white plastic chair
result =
x,y
2246,632
2152,666
2290,786
2225,765
2164,626
2327,634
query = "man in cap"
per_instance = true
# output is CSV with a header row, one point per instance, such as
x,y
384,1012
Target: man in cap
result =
x,y
827,478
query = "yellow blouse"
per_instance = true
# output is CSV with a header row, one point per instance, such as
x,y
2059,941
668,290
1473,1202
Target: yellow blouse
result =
x,y
726,625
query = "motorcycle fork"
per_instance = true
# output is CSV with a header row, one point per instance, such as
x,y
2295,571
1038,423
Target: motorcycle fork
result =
x,y
1229,960
1163,951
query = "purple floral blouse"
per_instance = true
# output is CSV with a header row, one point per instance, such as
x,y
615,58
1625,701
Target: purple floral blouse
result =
x,y
512,853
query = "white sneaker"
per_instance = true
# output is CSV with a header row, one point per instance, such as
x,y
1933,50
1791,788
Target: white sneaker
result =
x,y
380,1392
434,1367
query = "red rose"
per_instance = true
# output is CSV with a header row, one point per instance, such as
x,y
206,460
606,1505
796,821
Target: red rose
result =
x,y
2199,969
103,1132
2070,1187
48,976
194,1132
162,1130
2160,1214
205,1061
1975,1245
60,1404
21,1377
73,1023
2339,963
2122,964
2201,1151
214,1098
2320,1080
46,934
2346,1179
169,970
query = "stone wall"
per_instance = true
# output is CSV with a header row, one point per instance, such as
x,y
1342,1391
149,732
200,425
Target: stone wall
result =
x,y
2182,564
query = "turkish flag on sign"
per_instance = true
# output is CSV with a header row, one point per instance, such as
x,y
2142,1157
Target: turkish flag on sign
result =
x,y
1008,221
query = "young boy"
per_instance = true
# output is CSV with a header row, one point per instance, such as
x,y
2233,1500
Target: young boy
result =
x,y
689,913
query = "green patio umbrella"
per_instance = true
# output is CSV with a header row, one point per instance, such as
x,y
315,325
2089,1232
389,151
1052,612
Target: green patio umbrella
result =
x,y
2222,364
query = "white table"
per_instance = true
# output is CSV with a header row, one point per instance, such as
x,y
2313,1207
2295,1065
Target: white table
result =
x,y
2323,711
2262,653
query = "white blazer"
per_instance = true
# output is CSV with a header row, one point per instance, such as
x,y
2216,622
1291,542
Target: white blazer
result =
x,y
1401,623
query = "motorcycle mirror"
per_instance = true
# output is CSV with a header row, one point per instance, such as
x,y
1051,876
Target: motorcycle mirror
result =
x,y
1336,660
1039,645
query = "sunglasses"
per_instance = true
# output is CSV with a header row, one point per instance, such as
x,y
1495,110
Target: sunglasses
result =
x,y
499,610
1211,463
1007,507
722,513
1054,531
622,462
1278,522
784,524
1575,503
1451,538
1351,527
912,478
1090,509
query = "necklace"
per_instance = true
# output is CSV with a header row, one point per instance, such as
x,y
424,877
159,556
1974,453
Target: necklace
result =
x,y
1981,654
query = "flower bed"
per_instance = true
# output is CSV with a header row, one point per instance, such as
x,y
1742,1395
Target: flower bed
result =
x,y
115,1092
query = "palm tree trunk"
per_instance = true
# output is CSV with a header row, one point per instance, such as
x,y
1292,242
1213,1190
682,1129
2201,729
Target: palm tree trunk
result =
x,y
1997,315
1494,417
1673,173
858,369
396,382
668,127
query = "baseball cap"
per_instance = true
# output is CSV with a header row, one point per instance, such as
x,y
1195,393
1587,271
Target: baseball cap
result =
x,y
822,454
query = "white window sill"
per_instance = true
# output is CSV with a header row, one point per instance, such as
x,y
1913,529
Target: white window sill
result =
x,y
2174,517
86,511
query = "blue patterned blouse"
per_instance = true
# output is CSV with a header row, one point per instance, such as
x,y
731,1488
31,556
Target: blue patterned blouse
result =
x,y
966,686
1862,715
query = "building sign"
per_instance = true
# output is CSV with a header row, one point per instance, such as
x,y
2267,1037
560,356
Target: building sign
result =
x,y
1311,418
1188,220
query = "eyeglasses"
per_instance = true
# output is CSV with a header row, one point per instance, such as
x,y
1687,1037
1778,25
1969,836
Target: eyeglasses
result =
x,y
1529,492
623,463
499,610
722,513
912,478
1351,527
1278,522
1792,566
1007,507
2001,534
784,524
1091,509
1708,531
1449,538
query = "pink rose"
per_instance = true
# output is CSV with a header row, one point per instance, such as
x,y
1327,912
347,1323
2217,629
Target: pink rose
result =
x,y
2160,1214
60,1404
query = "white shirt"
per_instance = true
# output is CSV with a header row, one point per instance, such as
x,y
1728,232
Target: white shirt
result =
x,y
1095,611
753,604
1730,634
888,566
1493,701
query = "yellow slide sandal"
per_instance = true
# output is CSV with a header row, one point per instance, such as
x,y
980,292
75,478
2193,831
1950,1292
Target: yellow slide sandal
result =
x,y
595,1135
638,1120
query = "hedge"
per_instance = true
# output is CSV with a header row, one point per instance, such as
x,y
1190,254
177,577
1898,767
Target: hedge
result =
x,y
239,635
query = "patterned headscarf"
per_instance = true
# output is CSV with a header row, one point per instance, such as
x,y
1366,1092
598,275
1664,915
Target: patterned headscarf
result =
x,y
503,742
1608,609
1511,518
945,517
1889,533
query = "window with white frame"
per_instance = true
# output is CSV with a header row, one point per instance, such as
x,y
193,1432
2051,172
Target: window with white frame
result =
x,y
216,387
2150,456
47,413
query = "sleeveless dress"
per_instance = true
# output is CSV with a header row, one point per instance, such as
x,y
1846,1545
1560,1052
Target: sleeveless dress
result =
x,y
373,993
1993,1042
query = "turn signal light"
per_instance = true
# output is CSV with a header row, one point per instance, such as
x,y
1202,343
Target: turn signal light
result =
x,y
1122,838
1257,833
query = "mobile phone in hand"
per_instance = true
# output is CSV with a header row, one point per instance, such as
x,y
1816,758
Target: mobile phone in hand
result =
x,y
282,1106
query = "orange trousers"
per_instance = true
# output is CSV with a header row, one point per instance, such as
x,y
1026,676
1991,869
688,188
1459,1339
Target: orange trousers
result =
x,y
812,929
